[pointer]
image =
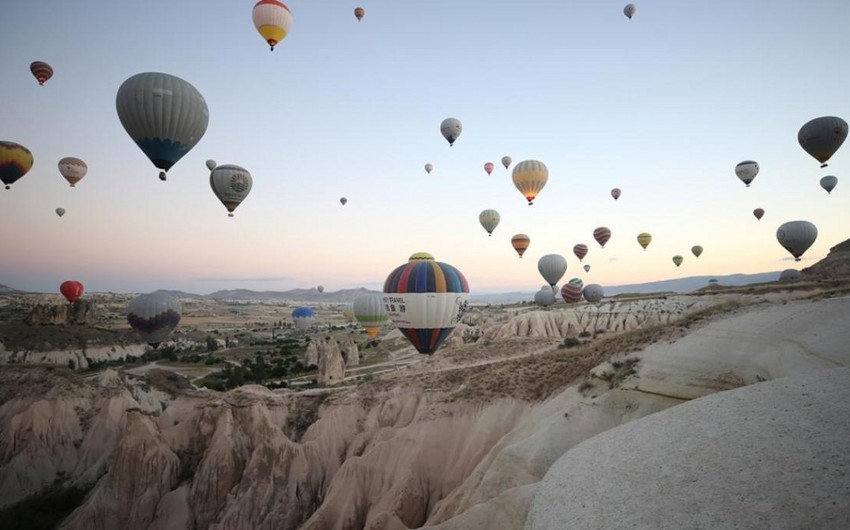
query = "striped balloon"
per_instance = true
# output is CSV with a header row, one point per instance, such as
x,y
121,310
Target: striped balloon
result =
x,y
163,114
41,71
529,177
489,219
644,239
370,312
426,299
520,243
571,291
580,251
15,161
273,21
602,235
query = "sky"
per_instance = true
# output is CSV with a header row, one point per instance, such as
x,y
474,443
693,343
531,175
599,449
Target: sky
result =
x,y
662,106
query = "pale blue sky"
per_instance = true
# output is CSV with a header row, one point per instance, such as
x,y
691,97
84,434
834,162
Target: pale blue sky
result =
x,y
663,106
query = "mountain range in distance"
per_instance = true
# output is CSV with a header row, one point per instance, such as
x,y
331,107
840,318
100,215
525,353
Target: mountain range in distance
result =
x,y
678,285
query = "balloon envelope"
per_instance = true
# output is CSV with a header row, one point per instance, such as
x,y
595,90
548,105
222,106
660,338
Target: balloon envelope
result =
x,y
359,12
320,288
580,250
552,267
572,290
273,21
747,171
629,10
506,161
303,317
821,137
828,183
529,177
370,312
489,219
796,237
616,193
154,316
678,260
426,299
73,169
586,267
343,200
41,71
71,290
593,292
758,212
211,164
429,168
602,235
488,167
165,115
520,243
644,239
231,184
60,211
15,161
790,275
544,297
451,128
696,250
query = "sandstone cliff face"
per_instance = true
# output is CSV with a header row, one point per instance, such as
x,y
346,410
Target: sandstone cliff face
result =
x,y
81,312
311,355
834,265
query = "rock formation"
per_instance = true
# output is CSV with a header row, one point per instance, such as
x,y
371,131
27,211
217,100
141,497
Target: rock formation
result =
x,y
311,354
352,353
834,265
331,363
80,312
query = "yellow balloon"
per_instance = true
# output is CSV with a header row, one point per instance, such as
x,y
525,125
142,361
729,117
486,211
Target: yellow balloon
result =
x,y
644,239
529,177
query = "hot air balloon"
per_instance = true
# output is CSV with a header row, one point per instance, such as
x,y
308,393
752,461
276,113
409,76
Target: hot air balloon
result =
x,y
696,250
520,242
320,288
796,237
580,251
677,259
747,171
593,292
586,268
790,275
60,211
552,267
572,290
231,184
506,161
429,168
758,212
164,115
73,169
154,316
828,183
489,219
41,71
273,21
629,10
211,164
615,192
488,167
644,239
343,200
602,235
426,299
359,12
15,161
544,297
71,290
370,312
529,177
451,129
821,137
303,317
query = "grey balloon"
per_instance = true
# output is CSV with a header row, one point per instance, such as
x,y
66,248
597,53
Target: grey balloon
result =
x,y
552,267
828,183
165,115
796,237
60,211
593,292
231,184
451,128
544,297
821,137
790,275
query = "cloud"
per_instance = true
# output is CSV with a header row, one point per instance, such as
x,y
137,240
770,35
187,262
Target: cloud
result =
x,y
612,260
